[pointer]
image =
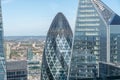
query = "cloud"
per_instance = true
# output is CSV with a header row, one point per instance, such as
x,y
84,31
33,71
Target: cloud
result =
x,y
6,1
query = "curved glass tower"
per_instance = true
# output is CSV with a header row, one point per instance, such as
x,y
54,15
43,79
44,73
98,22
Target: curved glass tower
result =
x,y
91,42
2,55
57,51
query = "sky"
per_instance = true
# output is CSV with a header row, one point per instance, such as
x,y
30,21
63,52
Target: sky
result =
x,y
34,17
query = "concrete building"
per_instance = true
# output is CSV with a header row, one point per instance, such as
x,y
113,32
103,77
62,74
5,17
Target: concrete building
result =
x,y
16,70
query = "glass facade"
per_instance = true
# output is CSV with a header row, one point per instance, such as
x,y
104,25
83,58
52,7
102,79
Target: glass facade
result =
x,y
108,69
115,40
57,51
91,42
115,48
2,55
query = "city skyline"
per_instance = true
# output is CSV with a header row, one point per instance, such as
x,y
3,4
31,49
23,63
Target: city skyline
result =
x,y
32,17
83,44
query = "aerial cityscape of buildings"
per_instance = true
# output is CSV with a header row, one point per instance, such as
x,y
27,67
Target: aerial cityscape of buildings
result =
x,y
91,52
17,48
27,51
92,38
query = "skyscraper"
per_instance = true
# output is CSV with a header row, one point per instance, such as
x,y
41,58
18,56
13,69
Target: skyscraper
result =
x,y
57,51
91,42
115,39
2,55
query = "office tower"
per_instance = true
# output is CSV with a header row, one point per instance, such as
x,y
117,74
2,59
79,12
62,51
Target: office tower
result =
x,y
16,70
115,39
57,50
2,55
33,65
91,42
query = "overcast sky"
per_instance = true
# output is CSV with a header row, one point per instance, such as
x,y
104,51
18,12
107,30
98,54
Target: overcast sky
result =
x,y
33,17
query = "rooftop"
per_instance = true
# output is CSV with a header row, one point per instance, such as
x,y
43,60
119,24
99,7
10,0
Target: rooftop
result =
x,y
16,65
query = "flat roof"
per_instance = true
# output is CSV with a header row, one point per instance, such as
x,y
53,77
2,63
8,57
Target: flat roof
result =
x,y
16,65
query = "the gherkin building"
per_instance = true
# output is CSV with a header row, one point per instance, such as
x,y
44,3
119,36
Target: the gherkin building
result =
x,y
57,50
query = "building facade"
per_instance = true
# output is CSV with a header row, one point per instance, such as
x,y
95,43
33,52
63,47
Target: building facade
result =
x,y
115,48
115,39
33,65
16,70
2,55
91,42
57,50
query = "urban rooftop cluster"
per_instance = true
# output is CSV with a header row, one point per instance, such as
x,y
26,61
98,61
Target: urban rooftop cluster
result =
x,y
91,52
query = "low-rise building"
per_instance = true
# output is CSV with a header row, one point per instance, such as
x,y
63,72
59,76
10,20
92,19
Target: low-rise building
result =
x,y
16,70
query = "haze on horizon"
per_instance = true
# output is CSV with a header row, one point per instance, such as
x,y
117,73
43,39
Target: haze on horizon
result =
x,y
34,17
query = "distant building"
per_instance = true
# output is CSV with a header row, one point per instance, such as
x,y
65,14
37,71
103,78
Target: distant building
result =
x,y
94,25
33,65
7,50
16,70
57,50
2,54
